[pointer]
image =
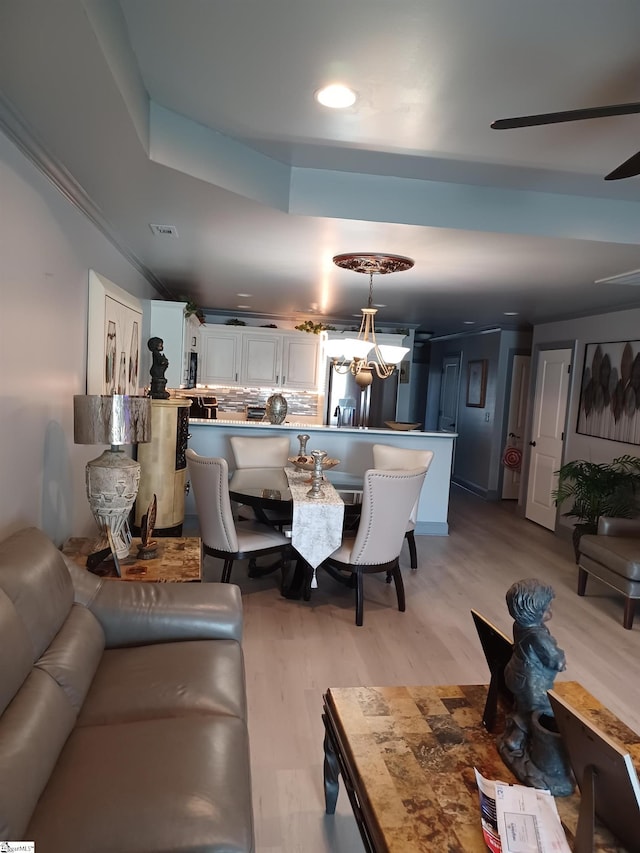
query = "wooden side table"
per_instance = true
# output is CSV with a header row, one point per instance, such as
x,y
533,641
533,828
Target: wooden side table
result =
x,y
177,560
406,757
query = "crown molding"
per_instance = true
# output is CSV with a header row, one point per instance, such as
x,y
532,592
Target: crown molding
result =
x,y
25,139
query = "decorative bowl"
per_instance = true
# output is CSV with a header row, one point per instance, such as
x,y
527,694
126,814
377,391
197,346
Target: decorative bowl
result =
x,y
306,463
401,425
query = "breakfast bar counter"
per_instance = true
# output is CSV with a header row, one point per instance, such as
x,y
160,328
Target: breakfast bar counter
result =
x,y
353,447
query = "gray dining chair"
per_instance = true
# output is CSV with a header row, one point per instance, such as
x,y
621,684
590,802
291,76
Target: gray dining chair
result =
x,y
387,457
221,535
387,500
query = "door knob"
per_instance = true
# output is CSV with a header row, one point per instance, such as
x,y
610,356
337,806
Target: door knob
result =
x,y
532,443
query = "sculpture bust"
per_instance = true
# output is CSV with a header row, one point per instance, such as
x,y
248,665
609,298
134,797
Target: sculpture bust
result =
x,y
158,368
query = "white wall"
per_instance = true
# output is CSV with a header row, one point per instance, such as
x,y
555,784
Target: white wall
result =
x,y
616,326
47,247
481,431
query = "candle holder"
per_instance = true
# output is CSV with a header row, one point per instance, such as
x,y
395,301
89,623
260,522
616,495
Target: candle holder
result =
x,y
303,439
317,475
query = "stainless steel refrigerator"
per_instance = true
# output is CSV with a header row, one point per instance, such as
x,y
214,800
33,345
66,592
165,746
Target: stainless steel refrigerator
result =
x,y
347,405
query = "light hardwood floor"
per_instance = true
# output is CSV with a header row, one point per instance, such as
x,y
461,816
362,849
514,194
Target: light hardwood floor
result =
x,y
295,650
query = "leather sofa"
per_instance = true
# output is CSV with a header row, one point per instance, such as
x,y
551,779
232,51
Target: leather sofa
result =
x,y
613,556
123,724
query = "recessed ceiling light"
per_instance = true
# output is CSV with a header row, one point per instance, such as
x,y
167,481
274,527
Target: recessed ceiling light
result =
x,y
379,305
510,313
244,295
469,322
336,96
243,306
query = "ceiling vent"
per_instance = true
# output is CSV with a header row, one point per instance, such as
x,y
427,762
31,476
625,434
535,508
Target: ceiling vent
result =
x,y
632,277
164,230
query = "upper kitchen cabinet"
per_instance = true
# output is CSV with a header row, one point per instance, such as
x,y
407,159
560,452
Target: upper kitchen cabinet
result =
x,y
180,336
300,355
221,356
259,357
283,360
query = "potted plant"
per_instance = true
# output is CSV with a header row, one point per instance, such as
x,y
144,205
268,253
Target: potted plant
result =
x,y
606,488
191,309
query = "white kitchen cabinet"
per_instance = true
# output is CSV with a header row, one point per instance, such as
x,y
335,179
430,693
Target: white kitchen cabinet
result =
x,y
300,355
280,359
258,357
261,358
220,357
180,336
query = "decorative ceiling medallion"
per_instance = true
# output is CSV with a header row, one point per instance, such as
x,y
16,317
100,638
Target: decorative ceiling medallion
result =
x,y
373,263
352,355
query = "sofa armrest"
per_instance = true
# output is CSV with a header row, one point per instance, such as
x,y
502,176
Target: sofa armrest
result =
x,y
608,526
135,612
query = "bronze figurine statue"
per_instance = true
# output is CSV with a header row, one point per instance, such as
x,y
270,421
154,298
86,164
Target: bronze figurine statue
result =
x,y
158,369
531,746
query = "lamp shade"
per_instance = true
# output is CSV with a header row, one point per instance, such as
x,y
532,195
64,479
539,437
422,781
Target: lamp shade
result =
x,y
392,354
334,348
356,348
111,419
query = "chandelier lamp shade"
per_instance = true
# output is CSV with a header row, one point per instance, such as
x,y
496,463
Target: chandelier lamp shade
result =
x,y
362,355
113,478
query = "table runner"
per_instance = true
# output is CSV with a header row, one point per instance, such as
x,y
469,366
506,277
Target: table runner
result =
x,y
316,528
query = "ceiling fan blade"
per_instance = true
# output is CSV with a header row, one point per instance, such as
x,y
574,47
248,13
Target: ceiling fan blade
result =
x,y
629,169
567,115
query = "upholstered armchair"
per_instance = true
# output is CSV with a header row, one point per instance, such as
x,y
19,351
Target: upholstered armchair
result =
x,y
613,556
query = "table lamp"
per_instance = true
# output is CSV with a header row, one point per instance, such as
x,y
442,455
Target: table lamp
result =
x,y
112,478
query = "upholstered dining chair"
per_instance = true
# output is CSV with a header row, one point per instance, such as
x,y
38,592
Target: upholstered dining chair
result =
x,y
260,451
387,457
221,536
387,500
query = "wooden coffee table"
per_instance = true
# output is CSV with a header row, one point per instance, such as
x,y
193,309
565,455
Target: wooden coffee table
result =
x,y
407,756
177,560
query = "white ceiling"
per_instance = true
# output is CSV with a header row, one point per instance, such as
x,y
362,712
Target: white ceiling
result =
x,y
200,115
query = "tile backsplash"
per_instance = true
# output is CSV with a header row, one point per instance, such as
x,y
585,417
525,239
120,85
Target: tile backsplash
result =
x,y
300,403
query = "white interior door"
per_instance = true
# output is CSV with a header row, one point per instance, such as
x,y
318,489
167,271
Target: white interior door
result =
x,y
449,386
547,434
516,420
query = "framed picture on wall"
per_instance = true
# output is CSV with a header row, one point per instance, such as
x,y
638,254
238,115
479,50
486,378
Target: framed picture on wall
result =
x,y
610,392
113,338
476,383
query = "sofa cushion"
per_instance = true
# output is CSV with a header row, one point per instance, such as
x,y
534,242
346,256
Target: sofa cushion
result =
x,y
137,613
15,651
620,554
168,680
35,578
74,654
180,785
33,730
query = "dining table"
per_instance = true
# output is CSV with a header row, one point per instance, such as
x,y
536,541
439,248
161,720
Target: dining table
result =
x,y
281,497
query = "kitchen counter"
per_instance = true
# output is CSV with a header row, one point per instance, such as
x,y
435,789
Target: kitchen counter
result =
x,y
352,446
293,425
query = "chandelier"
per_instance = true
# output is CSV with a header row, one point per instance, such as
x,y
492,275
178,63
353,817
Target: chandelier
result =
x,y
362,355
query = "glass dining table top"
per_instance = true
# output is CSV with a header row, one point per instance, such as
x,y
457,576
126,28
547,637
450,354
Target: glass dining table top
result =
x,y
267,491
265,486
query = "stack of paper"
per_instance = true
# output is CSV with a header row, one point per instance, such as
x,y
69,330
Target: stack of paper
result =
x,y
518,819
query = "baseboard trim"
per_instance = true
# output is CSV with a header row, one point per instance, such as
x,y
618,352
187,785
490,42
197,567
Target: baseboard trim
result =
x,y
432,528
